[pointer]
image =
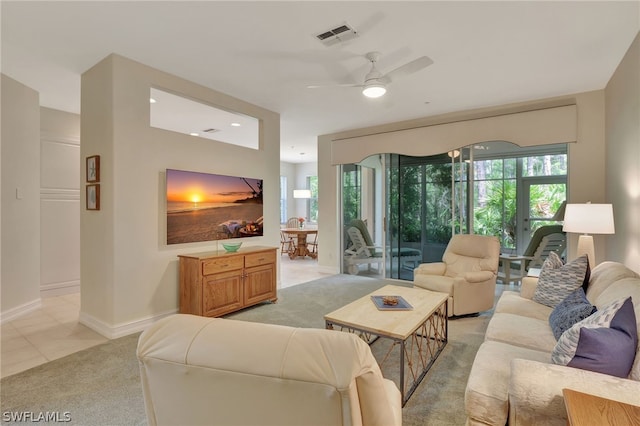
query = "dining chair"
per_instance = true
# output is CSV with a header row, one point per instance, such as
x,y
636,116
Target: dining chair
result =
x,y
286,241
292,222
312,245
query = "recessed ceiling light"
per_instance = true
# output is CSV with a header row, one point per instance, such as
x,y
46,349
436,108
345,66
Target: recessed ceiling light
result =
x,y
194,134
152,101
235,124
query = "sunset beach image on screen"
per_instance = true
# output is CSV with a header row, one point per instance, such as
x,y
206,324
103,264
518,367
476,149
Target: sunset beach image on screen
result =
x,y
209,207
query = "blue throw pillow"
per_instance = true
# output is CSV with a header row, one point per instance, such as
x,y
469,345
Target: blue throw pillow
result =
x,y
604,342
575,307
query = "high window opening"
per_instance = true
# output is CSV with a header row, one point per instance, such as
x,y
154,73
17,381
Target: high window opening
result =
x,y
312,204
170,111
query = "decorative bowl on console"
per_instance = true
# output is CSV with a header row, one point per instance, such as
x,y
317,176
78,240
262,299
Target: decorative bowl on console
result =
x,y
231,247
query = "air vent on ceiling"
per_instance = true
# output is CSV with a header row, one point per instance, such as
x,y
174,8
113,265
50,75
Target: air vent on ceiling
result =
x,y
338,34
211,130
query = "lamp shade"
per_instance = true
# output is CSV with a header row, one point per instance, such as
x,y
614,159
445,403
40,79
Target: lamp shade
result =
x,y
301,193
589,219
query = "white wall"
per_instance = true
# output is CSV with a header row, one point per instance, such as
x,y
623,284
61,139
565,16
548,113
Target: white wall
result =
x,y
129,276
20,179
622,102
59,202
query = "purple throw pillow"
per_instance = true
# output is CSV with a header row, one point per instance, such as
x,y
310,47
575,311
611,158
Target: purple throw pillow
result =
x,y
609,350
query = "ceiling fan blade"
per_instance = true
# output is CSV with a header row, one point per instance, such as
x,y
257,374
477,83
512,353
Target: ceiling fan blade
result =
x,y
333,85
408,68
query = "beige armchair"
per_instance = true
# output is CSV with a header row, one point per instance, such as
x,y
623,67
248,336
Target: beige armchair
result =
x,y
214,371
467,273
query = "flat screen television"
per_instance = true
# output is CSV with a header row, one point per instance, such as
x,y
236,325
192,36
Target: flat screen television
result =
x,y
209,207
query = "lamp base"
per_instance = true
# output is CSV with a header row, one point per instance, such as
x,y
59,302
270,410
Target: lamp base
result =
x,y
585,246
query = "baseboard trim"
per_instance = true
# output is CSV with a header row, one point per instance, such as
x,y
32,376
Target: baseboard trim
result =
x,y
18,311
59,289
124,329
329,270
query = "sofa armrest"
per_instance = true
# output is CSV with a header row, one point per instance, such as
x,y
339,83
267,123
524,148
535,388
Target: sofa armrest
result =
x,y
528,287
434,268
478,276
535,390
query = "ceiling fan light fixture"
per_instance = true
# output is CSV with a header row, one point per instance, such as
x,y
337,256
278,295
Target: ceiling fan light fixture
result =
x,y
374,90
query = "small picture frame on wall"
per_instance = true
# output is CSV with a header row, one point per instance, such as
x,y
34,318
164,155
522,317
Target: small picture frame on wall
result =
x,y
93,168
93,197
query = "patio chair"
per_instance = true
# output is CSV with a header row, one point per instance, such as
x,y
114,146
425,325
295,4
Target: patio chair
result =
x,y
361,253
544,240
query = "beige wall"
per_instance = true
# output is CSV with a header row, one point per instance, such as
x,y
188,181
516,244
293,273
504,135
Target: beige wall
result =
x,y
129,276
622,133
20,178
586,170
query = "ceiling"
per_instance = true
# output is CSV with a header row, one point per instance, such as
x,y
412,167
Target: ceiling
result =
x,y
266,53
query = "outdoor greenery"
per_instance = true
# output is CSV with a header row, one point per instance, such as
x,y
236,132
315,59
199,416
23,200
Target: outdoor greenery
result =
x,y
421,188
312,184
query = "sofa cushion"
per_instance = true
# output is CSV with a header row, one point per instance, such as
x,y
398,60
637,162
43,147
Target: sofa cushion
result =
x,y
575,307
486,397
512,303
521,331
605,342
558,280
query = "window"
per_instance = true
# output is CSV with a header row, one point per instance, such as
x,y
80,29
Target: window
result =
x,y
312,205
516,194
283,199
351,195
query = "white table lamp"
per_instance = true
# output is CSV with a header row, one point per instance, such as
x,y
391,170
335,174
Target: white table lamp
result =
x,y
588,219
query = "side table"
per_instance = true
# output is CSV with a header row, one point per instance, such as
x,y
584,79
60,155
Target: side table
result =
x,y
506,275
584,409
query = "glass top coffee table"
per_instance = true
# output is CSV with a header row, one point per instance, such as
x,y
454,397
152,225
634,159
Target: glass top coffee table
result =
x,y
421,333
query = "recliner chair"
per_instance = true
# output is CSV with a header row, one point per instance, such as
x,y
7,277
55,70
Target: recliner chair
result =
x,y
467,273
214,371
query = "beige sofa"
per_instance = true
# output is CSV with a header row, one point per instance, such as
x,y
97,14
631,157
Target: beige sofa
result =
x,y
213,371
512,379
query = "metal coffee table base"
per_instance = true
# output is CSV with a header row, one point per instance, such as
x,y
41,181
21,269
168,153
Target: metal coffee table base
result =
x,y
417,353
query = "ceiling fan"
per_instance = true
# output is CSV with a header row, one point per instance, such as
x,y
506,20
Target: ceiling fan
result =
x,y
375,83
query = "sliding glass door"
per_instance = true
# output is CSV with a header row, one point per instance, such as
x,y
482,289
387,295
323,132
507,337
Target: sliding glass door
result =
x,y
411,206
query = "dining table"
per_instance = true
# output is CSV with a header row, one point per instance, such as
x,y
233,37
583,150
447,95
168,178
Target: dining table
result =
x,y
301,249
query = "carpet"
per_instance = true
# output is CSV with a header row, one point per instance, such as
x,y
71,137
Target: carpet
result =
x,y
101,385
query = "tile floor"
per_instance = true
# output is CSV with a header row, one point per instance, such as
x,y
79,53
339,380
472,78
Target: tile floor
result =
x,y
53,331
45,334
